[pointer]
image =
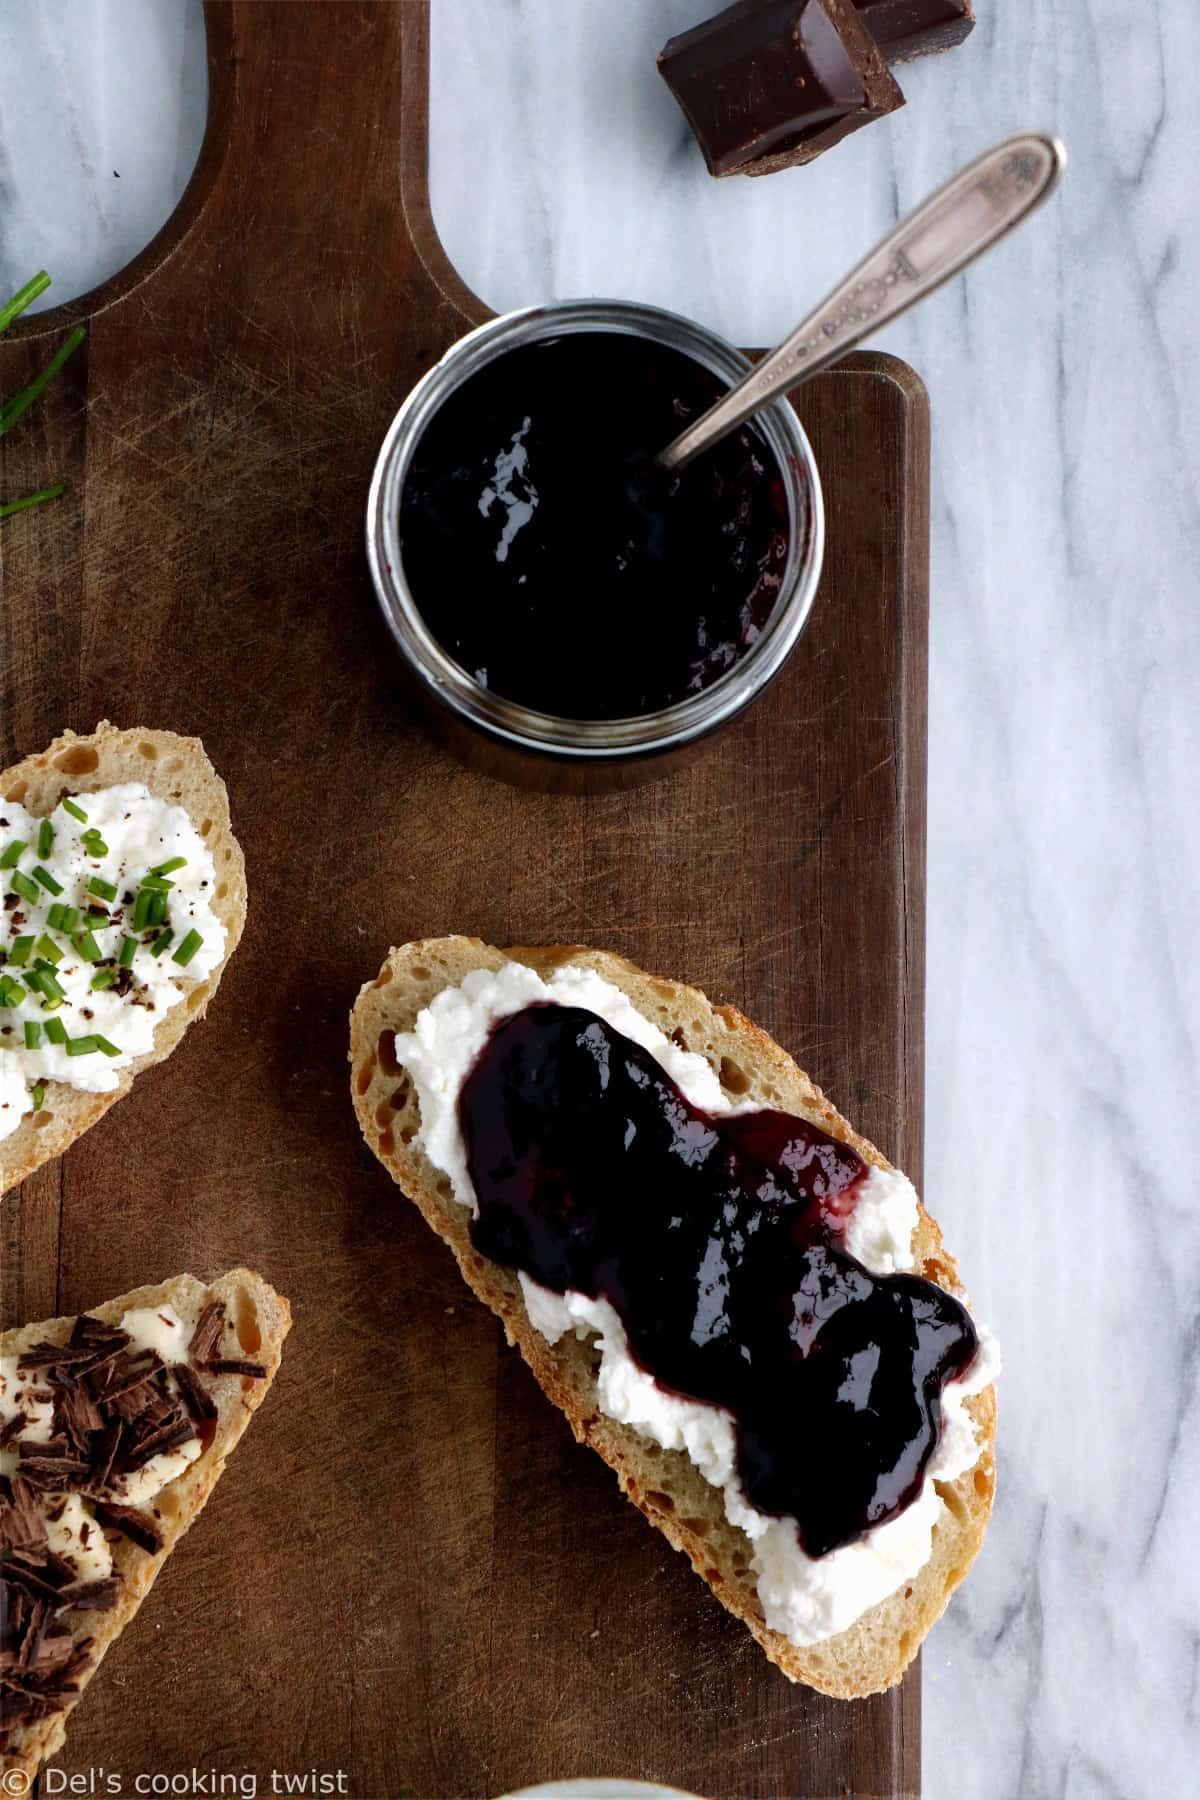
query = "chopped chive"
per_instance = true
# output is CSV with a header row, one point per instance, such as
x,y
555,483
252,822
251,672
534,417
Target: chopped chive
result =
x,y
50,986
26,888
10,992
45,838
13,854
12,410
187,949
33,981
158,909
107,890
83,1046
163,942
33,1035
37,1092
93,843
47,947
157,884
104,978
141,911
56,1031
18,951
47,880
11,507
63,918
25,296
169,868
76,812
128,951
87,947
106,1045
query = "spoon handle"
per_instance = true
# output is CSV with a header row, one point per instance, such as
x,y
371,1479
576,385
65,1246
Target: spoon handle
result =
x,y
954,226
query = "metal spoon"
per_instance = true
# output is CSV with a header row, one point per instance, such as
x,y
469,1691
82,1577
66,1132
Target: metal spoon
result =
x,y
954,226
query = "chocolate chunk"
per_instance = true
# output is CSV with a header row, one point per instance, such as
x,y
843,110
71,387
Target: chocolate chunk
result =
x,y
770,83
904,29
132,1523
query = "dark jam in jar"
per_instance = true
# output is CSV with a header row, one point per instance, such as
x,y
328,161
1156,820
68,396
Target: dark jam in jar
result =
x,y
720,1241
552,562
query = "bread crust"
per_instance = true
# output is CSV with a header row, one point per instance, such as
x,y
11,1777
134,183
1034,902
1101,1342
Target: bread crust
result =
x,y
664,1484
173,768
261,1319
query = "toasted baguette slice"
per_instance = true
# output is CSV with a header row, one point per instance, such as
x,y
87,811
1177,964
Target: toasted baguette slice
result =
x,y
665,1484
258,1320
175,769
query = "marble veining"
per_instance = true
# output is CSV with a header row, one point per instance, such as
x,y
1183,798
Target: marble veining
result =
x,y
1064,860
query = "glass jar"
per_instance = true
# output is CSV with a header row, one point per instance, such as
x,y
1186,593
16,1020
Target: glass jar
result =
x,y
509,740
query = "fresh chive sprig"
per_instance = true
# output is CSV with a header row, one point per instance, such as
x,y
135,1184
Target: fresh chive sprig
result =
x,y
12,410
20,403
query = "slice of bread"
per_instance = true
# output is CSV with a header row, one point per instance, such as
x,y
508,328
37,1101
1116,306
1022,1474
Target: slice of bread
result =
x,y
257,1321
175,769
665,1484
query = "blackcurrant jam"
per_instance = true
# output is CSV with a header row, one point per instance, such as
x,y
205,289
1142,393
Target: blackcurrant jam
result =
x,y
720,1241
550,559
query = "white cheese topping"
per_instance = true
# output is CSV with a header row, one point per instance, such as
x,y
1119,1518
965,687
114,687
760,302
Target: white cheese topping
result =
x,y
806,1599
168,1332
71,1528
17,1388
72,1532
137,833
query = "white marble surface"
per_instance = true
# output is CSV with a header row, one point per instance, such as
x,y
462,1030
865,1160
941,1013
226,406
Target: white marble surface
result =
x,y
1064,858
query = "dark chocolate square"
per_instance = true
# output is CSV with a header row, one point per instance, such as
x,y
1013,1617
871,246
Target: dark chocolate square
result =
x,y
904,29
771,83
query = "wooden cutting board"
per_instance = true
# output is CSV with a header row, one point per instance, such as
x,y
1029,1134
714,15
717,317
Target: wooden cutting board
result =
x,y
410,1573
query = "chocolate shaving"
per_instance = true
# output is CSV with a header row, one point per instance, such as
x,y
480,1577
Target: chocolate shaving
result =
x,y
15,1426
55,1474
122,1372
229,1365
31,1580
116,1407
21,1522
91,1596
78,1415
210,1328
56,1647
196,1396
89,1330
132,1523
104,1454
169,1437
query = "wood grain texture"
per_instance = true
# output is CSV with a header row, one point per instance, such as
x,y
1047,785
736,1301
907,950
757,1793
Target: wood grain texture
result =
x,y
412,1573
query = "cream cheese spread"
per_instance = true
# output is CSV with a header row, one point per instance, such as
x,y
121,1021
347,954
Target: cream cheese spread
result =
x,y
806,1599
107,922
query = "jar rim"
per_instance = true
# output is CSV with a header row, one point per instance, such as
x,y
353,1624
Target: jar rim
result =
x,y
591,740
